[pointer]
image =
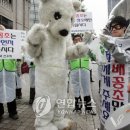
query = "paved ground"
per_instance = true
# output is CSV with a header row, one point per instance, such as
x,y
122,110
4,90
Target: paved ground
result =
x,y
27,117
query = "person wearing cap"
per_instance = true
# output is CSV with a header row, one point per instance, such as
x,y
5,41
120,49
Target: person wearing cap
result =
x,y
8,86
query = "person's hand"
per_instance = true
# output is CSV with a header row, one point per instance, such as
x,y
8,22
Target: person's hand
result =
x,y
36,35
88,37
82,48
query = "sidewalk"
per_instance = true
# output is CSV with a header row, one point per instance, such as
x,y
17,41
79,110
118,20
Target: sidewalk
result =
x,y
25,121
27,117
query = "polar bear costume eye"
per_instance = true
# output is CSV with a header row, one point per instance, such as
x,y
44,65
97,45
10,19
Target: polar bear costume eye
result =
x,y
57,15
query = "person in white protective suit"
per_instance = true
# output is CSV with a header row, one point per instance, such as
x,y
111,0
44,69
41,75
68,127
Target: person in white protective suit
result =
x,y
121,9
8,86
32,81
18,80
80,77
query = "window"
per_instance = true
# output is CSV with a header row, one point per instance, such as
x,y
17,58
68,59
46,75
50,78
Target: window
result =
x,y
6,22
7,3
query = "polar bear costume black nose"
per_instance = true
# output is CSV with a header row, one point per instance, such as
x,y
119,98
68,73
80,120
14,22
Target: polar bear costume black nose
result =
x,y
63,32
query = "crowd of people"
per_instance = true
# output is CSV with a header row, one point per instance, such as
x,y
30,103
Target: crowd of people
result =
x,y
11,70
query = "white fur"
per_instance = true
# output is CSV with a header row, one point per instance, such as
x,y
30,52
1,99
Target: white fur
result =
x,y
48,127
62,124
50,50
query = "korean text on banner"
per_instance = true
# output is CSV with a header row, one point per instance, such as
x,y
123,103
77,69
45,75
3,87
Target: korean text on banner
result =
x,y
10,43
83,22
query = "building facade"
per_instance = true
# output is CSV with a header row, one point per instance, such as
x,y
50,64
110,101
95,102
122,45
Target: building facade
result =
x,y
111,4
33,18
14,14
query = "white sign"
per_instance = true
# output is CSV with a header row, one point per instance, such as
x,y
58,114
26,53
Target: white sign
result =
x,y
114,84
10,43
83,22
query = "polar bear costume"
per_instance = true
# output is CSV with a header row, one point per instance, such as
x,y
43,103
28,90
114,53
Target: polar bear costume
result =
x,y
50,44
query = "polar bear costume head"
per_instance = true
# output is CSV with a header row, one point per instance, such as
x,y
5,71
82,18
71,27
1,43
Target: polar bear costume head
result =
x,y
58,15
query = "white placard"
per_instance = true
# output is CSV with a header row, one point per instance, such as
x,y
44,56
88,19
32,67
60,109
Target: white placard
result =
x,y
10,43
83,22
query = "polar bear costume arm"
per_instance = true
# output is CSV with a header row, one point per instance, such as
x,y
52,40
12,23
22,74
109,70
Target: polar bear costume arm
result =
x,y
35,39
76,51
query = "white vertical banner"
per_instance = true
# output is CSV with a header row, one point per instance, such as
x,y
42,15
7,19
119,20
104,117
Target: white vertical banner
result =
x,y
115,80
83,22
10,43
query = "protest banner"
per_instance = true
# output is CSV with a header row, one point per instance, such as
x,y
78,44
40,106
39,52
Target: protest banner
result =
x,y
10,43
83,22
115,80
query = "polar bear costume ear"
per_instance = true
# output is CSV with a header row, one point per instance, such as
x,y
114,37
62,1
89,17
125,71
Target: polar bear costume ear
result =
x,y
76,4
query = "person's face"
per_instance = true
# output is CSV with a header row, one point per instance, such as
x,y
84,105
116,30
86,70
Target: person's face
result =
x,y
117,30
77,39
